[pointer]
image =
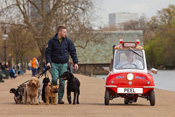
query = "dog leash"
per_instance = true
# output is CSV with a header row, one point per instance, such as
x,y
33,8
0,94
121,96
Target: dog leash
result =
x,y
41,74
23,83
45,71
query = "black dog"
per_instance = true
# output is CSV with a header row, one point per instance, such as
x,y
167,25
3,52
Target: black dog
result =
x,y
72,86
45,83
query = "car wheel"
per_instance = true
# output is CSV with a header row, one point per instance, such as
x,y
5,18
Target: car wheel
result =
x,y
152,98
135,99
106,97
126,101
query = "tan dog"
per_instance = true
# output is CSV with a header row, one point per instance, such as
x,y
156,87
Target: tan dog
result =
x,y
31,91
51,92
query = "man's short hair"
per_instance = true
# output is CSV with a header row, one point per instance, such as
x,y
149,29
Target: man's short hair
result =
x,y
59,28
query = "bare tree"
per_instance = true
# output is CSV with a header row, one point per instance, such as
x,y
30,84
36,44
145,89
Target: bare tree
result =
x,y
161,37
21,43
139,24
1,45
41,17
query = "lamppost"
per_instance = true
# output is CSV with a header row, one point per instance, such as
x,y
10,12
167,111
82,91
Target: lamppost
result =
x,y
5,37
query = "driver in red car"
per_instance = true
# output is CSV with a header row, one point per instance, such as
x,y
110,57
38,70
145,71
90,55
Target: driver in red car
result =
x,y
130,62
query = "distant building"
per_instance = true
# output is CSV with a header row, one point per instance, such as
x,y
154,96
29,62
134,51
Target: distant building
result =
x,y
116,20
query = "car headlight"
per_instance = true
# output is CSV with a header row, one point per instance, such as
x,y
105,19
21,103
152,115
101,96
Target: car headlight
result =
x,y
112,82
148,83
130,76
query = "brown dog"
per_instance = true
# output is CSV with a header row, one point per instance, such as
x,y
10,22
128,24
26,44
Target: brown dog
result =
x,y
51,92
31,91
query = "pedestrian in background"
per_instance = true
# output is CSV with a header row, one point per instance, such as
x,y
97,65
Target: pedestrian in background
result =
x,y
29,66
12,73
6,65
2,66
35,65
38,67
57,55
20,72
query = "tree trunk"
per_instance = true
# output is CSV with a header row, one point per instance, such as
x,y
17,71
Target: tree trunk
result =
x,y
22,65
17,58
42,58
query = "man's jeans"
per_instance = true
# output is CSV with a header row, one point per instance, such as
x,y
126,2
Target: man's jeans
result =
x,y
57,70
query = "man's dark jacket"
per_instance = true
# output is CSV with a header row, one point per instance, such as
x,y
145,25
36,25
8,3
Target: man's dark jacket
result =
x,y
57,52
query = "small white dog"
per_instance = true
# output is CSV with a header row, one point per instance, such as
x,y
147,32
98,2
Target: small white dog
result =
x,y
40,90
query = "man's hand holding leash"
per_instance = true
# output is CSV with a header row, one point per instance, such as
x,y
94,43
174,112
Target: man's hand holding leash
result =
x,y
48,65
76,67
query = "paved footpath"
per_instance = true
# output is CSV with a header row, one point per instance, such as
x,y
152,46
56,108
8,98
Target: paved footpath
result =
x,y
91,102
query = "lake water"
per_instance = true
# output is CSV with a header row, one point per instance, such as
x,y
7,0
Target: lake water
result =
x,y
164,79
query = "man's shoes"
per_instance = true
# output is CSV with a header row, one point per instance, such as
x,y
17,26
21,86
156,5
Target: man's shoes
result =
x,y
60,101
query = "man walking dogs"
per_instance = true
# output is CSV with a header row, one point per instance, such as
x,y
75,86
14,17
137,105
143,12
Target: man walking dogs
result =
x,y
57,56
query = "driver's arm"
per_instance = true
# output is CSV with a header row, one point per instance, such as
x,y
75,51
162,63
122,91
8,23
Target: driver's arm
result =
x,y
120,64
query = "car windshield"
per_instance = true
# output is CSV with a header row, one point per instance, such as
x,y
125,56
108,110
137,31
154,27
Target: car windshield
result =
x,y
128,59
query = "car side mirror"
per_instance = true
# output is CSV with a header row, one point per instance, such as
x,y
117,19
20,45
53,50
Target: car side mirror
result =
x,y
153,70
106,69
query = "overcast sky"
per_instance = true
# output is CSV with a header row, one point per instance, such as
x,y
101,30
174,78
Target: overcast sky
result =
x,y
147,7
